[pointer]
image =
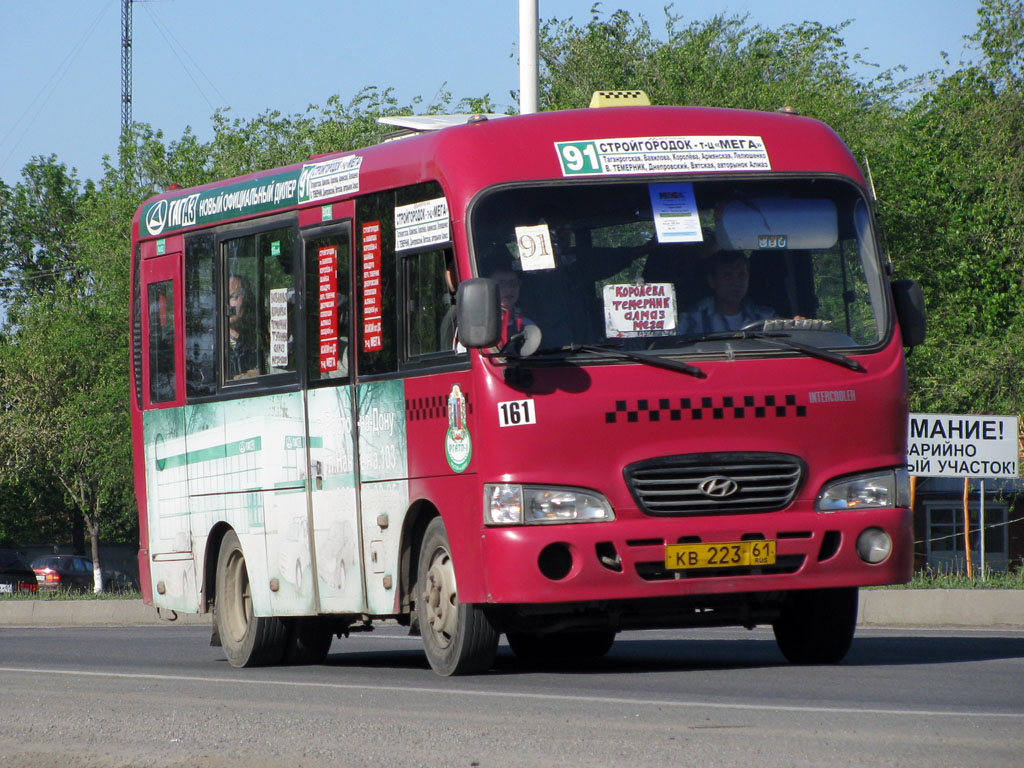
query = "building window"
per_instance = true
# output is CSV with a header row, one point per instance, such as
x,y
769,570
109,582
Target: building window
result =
x,y
945,542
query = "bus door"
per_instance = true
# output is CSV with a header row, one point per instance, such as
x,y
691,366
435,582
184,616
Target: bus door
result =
x,y
331,426
170,539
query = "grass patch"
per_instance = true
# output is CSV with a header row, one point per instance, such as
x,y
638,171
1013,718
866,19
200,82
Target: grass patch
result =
x,y
68,594
933,579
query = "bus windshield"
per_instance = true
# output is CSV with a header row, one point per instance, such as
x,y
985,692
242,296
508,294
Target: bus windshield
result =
x,y
706,267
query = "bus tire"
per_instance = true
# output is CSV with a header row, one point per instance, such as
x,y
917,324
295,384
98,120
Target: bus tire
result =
x,y
816,626
247,640
458,637
540,650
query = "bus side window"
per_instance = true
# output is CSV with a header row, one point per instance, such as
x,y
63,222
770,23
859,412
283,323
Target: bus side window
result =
x,y
200,316
375,298
258,305
161,342
429,303
328,306
377,252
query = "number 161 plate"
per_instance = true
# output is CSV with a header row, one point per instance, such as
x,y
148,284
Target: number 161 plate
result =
x,y
730,554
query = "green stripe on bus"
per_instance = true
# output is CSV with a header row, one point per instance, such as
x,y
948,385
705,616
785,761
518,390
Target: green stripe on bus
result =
x,y
236,448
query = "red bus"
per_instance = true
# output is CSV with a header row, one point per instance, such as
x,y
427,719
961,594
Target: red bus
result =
x,y
550,376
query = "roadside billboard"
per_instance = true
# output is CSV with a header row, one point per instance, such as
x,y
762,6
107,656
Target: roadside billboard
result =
x,y
953,445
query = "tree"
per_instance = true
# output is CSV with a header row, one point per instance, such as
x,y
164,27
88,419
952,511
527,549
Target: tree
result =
x,y
64,417
953,205
720,62
37,217
66,405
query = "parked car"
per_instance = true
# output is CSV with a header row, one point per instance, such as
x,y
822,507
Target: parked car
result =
x,y
15,574
69,571
75,573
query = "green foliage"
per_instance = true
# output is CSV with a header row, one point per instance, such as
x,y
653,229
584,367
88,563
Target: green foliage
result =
x,y
63,595
37,217
954,213
32,512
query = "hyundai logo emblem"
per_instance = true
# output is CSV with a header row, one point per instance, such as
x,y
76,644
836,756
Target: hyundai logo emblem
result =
x,y
718,486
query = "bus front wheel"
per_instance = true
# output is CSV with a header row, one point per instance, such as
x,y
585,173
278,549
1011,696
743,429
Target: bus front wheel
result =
x,y
247,640
457,637
816,626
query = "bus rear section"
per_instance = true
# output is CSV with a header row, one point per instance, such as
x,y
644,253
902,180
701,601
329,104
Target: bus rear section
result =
x,y
641,369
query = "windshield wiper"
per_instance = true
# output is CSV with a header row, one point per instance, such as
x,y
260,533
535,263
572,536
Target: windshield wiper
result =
x,y
781,339
652,360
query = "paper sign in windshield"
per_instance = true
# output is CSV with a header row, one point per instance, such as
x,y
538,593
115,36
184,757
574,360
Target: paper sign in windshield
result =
x,y
535,251
421,224
675,213
639,310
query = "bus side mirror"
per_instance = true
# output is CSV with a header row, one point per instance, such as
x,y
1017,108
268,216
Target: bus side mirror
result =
x,y
478,312
909,302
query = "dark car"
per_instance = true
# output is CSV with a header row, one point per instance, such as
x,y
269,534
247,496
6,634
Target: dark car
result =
x,y
72,572
15,574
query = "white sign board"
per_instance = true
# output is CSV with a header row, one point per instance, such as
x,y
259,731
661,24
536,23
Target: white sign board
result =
x,y
947,445
535,249
639,310
676,219
421,224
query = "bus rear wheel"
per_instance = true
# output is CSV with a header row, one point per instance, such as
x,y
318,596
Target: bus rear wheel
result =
x,y
816,626
458,637
247,640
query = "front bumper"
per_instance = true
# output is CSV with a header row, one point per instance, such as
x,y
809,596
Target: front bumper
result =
x,y
624,559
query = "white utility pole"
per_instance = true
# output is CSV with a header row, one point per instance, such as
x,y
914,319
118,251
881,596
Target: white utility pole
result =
x,y
528,71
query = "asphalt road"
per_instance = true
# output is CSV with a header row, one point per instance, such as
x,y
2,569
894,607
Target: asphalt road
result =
x,y
161,696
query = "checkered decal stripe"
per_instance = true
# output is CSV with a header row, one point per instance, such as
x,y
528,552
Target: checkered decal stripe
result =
x,y
699,409
435,407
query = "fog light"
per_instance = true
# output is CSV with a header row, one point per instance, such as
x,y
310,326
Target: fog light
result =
x,y
874,545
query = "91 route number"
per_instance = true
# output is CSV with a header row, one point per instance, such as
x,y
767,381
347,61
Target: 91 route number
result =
x,y
514,413
578,157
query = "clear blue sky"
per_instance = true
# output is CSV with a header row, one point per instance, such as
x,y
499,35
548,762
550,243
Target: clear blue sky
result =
x,y
60,75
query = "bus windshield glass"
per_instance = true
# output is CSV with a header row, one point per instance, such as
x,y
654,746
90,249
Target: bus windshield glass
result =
x,y
708,267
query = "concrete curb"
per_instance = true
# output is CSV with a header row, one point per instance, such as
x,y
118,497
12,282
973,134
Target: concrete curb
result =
x,y
89,613
949,608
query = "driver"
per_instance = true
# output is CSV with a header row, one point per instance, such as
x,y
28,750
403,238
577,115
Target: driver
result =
x,y
512,319
727,308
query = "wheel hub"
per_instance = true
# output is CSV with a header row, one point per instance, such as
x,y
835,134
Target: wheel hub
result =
x,y
441,600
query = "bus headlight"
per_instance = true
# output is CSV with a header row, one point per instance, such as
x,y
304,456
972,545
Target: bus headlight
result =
x,y
510,504
876,490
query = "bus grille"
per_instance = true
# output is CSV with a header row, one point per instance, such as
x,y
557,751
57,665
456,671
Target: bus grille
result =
x,y
714,483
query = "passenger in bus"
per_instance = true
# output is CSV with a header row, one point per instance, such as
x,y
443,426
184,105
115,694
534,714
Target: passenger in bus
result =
x,y
243,353
727,308
449,333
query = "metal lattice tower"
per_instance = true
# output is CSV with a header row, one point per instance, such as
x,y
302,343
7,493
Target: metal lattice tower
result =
x,y
126,66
